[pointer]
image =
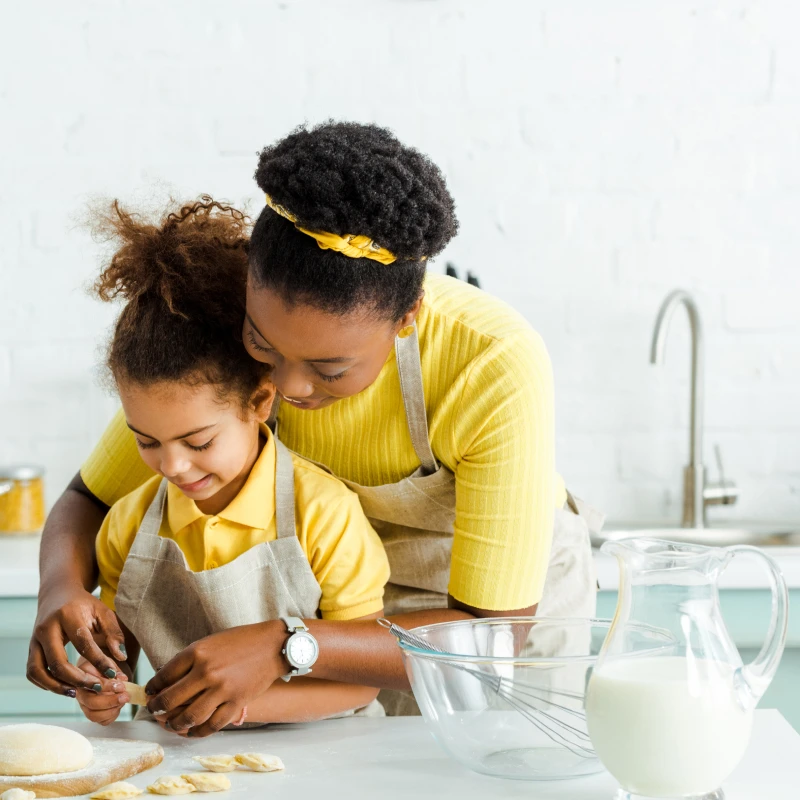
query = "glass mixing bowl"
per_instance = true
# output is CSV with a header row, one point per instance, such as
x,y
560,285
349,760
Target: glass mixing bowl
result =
x,y
506,697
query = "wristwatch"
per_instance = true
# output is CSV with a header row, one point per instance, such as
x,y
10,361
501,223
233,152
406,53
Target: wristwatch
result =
x,y
301,649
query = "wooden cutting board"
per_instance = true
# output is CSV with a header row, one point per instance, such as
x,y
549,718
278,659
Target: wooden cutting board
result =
x,y
114,760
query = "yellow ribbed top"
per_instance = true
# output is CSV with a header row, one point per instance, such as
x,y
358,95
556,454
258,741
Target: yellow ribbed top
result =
x,y
489,400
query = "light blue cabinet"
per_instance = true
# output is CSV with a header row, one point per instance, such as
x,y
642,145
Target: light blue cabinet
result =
x,y
17,696
747,614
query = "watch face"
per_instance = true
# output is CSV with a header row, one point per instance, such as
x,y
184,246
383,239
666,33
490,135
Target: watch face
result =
x,y
302,650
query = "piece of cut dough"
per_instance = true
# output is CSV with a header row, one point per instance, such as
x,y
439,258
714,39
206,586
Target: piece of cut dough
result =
x,y
259,762
170,784
208,781
116,791
136,693
17,794
33,749
220,763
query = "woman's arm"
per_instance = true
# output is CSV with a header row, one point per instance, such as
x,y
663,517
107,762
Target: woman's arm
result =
x,y
235,667
306,700
67,610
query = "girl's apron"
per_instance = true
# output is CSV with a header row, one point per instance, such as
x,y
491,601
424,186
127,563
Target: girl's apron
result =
x,y
415,517
167,606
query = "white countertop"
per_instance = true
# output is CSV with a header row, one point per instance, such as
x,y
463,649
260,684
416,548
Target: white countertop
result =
x,y
19,569
396,758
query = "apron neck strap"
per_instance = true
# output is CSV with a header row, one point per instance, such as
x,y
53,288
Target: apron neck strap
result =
x,y
410,369
284,491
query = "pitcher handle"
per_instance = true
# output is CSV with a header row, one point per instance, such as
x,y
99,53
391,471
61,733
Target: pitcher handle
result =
x,y
758,674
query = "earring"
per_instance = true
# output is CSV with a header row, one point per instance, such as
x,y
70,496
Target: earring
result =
x,y
406,332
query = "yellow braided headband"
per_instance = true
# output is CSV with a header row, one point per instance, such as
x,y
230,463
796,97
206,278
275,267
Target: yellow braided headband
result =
x,y
349,245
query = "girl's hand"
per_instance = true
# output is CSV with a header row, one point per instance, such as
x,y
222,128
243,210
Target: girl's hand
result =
x,y
102,707
206,686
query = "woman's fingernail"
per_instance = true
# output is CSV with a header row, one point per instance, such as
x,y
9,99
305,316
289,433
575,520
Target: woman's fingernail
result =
x,y
110,673
97,688
70,693
122,699
123,650
117,687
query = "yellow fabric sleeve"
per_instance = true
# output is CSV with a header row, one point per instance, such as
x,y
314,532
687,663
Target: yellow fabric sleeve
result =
x,y
114,468
116,537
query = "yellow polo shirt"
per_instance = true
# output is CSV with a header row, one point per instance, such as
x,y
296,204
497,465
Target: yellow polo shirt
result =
x,y
491,415
345,554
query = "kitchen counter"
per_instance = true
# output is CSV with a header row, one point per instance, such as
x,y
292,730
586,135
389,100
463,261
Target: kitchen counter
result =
x,y
19,568
353,758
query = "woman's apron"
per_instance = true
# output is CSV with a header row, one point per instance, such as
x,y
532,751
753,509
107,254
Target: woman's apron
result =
x,y
415,520
167,607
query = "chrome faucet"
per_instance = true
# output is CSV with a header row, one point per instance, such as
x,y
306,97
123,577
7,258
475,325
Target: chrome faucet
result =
x,y
697,494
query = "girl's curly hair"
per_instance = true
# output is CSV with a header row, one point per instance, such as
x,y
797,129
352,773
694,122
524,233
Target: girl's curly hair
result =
x,y
183,278
349,178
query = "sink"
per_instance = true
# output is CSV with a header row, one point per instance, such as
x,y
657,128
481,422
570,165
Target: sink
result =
x,y
760,534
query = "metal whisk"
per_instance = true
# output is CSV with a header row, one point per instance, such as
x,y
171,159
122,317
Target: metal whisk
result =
x,y
524,698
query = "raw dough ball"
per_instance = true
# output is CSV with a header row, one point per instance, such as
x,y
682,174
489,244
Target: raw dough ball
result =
x,y
220,763
18,794
116,791
170,784
259,762
33,749
208,782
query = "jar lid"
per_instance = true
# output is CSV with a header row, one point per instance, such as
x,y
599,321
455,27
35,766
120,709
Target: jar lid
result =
x,y
21,472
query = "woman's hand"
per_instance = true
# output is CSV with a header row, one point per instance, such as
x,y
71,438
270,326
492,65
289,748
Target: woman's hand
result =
x,y
74,615
206,686
101,707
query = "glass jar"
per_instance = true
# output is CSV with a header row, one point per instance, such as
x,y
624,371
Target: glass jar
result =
x,y
21,499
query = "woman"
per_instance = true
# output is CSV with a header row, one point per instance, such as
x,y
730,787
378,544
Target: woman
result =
x,y
431,400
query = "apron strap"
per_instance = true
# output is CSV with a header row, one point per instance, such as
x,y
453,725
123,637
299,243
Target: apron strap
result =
x,y
284,491
410,369
151,523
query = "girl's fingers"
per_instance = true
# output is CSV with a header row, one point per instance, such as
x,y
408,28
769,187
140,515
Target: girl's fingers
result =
x,y
104,701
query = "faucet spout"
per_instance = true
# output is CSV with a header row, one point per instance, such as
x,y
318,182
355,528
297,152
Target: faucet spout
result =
x,y
694,474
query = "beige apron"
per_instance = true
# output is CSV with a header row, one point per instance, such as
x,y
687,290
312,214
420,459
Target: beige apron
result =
x,y
415,517
167,606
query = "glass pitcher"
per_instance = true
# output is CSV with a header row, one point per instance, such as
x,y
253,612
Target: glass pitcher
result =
x,y
675,722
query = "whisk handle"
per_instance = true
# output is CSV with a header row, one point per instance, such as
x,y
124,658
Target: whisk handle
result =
x,y
406,636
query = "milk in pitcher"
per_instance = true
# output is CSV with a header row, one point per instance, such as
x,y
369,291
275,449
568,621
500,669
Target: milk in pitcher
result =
x,y
668,726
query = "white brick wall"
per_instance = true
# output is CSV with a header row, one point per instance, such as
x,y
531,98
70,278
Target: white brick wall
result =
x,y
600,153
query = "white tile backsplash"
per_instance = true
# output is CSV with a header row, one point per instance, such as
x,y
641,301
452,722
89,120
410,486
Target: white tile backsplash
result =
x,y
600,155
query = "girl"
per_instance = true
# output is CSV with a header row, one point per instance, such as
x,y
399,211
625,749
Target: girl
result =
x,y
233,530
430,399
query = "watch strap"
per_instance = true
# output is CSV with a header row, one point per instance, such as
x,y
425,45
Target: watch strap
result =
x,y
294,624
